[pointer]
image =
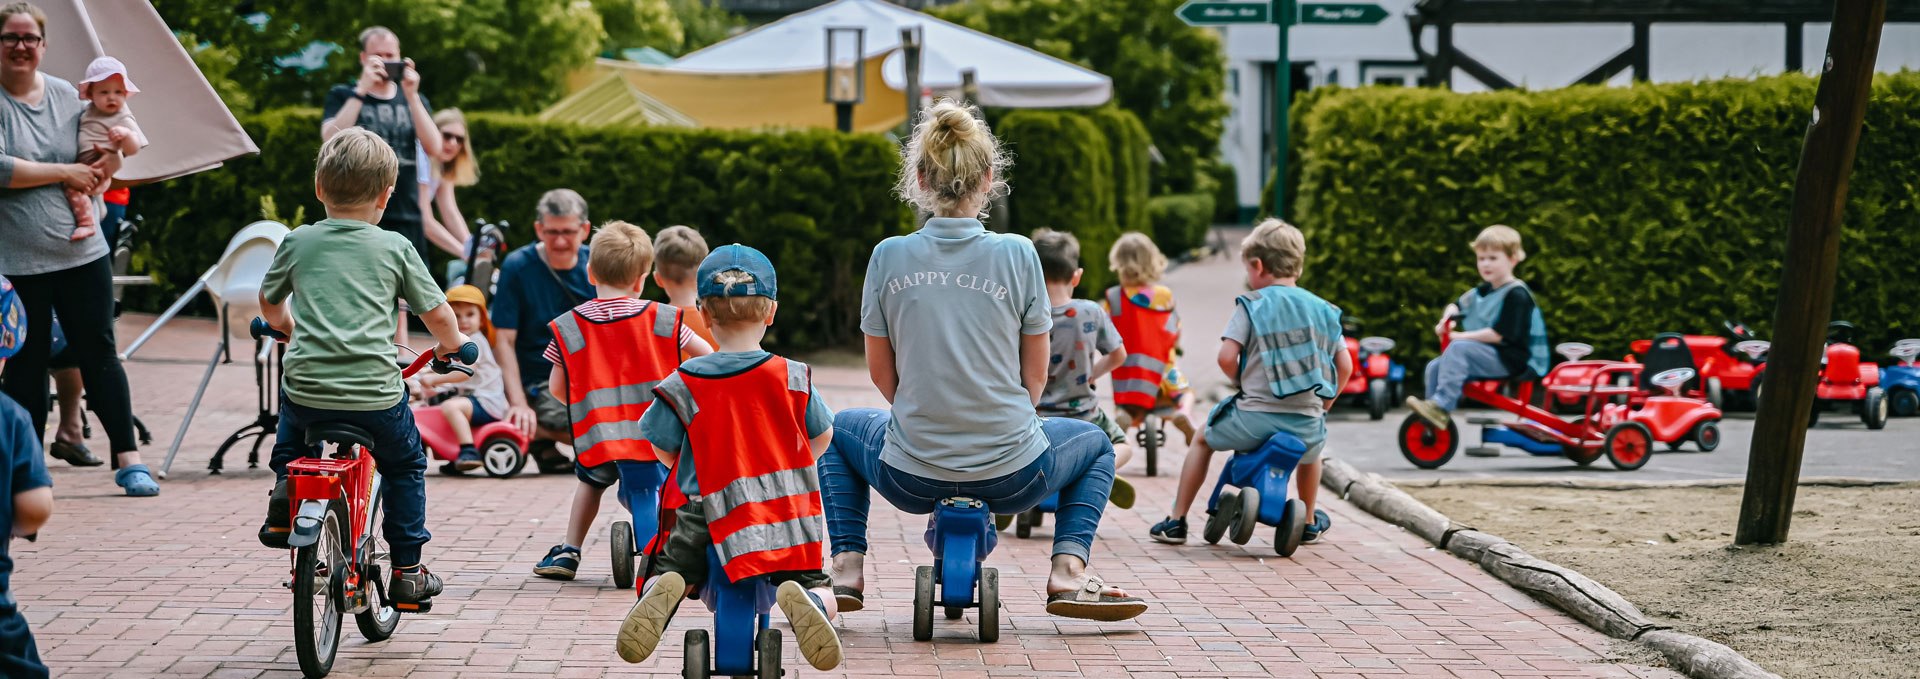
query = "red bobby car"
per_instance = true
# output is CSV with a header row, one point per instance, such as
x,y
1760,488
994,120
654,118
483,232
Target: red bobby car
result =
x,y
503,449
1843,378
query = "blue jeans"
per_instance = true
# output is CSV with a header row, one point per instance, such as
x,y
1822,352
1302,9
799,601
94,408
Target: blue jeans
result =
x,y
396,453
1078,464
19,658
1462,362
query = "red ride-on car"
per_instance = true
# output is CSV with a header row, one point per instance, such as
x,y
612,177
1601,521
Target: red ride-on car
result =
x,y
1575,371
1376,378
1723,370
1844,378
1671,418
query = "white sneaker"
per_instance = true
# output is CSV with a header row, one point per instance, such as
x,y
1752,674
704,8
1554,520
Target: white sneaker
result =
x,y
812,631
647,620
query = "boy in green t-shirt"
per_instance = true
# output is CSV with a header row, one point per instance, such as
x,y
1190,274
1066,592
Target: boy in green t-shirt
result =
x,y
340,363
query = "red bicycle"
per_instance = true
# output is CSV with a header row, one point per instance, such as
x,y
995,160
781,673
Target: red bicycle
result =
x,y
339,557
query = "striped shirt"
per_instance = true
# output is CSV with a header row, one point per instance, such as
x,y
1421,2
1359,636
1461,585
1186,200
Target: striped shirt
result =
x,y
606,310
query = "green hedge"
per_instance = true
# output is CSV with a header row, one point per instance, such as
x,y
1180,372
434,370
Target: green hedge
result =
x,y
1127,139
815,201
1062,179
1645,209
1180,221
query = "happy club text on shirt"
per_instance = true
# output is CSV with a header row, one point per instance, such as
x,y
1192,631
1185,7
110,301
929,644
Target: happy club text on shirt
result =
x,y
966,281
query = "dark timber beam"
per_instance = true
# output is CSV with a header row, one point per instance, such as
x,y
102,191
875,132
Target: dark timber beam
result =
x,y
1796,46
1606,71
1622,11
1487,76
1642,50
1807,277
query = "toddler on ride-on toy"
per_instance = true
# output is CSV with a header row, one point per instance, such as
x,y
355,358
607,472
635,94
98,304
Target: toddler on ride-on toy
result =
x,y
1501,331
742,429
1283,348
471,403
1141,309
339,365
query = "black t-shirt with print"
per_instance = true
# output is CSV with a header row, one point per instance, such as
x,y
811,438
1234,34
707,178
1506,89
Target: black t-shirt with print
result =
x,y
390,119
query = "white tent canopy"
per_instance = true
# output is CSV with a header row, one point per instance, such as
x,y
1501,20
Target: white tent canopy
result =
x,y
1007,74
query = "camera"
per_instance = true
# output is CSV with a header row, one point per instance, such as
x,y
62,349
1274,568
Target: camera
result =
x,y
396,70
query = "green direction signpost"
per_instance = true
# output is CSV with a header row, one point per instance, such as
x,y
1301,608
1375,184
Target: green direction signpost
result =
x,y
1287,13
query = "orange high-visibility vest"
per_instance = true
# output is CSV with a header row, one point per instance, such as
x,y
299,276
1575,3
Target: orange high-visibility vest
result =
x,y
612,368
747,433
1150,336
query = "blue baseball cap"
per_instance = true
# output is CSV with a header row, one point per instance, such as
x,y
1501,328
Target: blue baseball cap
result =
x,y
737,257
13,320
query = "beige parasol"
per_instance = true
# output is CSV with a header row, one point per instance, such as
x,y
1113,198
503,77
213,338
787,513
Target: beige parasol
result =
x,y
190,129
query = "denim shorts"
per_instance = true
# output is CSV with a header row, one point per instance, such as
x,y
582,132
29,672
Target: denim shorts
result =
x,y
1230,428
480,417
602,475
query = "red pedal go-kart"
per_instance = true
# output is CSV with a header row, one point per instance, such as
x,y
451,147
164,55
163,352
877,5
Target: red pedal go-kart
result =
x,y
1376,378
1844,378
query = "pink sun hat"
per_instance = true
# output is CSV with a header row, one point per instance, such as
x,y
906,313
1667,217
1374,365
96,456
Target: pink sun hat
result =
x,y
102,69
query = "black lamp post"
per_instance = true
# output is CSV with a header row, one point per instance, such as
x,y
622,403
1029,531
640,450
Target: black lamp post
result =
x,y
846,79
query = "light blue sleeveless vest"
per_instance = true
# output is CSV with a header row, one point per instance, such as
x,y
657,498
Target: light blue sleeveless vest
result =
x,y
1481,311
1295,335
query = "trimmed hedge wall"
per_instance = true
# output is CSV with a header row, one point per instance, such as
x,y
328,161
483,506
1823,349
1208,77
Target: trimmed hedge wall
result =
x,y
1127,139
1062,179
1180,221
815,201
1645,209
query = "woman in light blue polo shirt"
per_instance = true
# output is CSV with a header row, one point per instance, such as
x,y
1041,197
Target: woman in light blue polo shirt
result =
x,y
956,319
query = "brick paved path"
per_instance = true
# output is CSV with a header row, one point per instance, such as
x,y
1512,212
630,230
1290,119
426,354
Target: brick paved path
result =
x,y
177,586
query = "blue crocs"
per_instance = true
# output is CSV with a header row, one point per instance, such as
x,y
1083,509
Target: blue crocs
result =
x,y
137,480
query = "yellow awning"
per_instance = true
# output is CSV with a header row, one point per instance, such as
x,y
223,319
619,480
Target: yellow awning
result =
x,y
613,92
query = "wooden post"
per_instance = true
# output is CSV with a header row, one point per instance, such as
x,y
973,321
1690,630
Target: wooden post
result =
x,y
1796,50
1642,51
910,47
969,86
1807,277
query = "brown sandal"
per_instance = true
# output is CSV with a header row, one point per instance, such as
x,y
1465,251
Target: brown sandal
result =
x,y
1091,603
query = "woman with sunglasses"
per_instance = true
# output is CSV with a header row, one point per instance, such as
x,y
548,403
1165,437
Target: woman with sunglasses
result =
x,y
39,123
455,166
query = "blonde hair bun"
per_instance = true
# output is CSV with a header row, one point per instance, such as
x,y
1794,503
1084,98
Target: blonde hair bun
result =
x,y
952,158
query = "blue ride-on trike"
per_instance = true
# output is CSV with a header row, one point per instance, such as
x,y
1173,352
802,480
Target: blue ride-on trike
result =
x,y
1261,479
641,497
743,642
1902,380
961,534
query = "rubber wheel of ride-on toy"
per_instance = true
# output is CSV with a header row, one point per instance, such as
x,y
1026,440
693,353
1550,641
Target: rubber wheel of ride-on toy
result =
x,y
1150,439
1022,525
1905,402
1377,398
1707,435
1247,518
922,603
502,458
989,605
1873,409
381,618
1293,525
1425,445
767,643
1716,394
1222,517
1629,445
623,550
696,658
955,612
1583,456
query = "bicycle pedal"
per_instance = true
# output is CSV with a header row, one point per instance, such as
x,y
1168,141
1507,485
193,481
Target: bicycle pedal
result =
x,y
1483,451
416,607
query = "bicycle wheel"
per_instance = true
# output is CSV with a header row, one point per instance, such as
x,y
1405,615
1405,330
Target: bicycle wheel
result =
x,y
380,618
319,571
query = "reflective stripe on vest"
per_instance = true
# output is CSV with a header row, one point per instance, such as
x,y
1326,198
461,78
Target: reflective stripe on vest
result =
x,y
1294,337
1149,336
747,440
611,369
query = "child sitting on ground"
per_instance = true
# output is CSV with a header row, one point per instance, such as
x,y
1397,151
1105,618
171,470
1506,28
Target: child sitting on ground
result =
x,y
105,125
606,353
1501,331
1142,310
1283,349
1081,331
677,253
343,274
742,428
27,491
479,400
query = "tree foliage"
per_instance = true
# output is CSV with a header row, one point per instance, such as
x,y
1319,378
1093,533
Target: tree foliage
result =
x,y
1063,179
1171,75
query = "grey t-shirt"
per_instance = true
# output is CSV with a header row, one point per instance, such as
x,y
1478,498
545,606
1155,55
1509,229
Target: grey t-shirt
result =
x,y
1081,333
1240,329
955,300
36,223
664,430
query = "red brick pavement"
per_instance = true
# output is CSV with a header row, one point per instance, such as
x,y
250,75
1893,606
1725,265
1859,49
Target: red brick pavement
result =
x,y
177,587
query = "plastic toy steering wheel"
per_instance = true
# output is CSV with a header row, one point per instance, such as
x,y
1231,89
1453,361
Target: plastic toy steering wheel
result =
x,y
1376,345
1672,380
1906,349
1754,349
1574,351
1738,331
1840,331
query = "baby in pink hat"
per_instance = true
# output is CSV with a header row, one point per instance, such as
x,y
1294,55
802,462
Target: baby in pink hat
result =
x,y
106,124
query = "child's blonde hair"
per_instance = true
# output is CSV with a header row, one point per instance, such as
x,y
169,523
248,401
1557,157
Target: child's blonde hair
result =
x,y
1278,246
1500,238
736,309
465,168
951,157
1136,260
678,251
622,254
355,168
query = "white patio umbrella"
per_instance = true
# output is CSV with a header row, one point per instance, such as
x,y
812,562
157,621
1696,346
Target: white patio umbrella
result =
x,y
190,129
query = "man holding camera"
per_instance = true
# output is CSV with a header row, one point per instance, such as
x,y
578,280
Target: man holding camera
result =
x,y
386,101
